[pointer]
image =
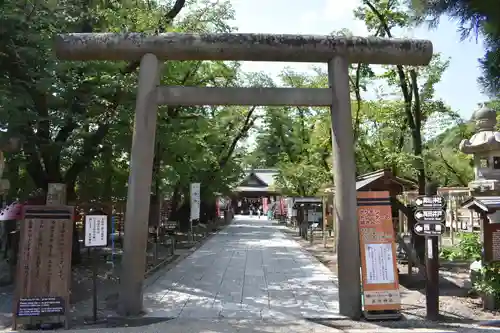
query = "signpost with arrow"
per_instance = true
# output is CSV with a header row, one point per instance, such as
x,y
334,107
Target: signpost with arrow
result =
x,y
429,229
429,219
429,215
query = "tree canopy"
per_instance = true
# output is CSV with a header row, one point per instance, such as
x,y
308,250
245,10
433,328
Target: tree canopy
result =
x,y
406,128
75,119
475,18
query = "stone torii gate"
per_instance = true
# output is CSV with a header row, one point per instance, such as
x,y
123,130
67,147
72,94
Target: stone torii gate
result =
x,y
337,52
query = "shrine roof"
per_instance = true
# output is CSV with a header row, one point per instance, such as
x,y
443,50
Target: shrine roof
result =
x,y
253,189
487,204
257,180
367,180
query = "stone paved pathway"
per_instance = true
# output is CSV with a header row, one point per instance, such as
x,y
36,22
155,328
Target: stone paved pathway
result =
x,y
186,325
250,270
249,278
6,305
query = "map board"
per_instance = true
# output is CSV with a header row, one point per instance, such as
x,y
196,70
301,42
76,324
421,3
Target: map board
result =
x,y
44,266
378,253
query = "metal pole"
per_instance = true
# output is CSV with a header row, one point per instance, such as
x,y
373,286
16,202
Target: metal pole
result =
x,y
344,170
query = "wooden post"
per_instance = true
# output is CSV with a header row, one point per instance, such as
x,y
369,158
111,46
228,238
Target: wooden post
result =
x,y
401,222
410,261
449,216
324,219
306,222
311,233
454,217
470,227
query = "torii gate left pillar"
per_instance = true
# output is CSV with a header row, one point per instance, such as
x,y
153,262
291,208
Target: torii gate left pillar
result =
x,y
337,52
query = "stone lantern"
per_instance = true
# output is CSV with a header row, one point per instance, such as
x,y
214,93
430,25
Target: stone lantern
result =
x,y
485,146
485,189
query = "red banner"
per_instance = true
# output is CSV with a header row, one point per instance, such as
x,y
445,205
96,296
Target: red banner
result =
x,y
11,212
284,207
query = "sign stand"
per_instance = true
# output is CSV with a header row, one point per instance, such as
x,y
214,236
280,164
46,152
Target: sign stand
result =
x,y
381,296
434,203
430,214
44,267
96,236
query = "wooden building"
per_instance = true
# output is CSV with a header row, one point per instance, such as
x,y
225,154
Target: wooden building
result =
x,y
380,180
256,188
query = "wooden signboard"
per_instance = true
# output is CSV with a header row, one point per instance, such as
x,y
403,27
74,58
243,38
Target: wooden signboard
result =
x,y
492,242
381,295
44,266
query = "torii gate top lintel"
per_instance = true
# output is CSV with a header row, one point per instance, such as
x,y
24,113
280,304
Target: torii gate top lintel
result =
x,y
242,47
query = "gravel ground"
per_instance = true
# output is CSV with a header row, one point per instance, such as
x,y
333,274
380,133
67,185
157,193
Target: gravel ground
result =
x,y
457,306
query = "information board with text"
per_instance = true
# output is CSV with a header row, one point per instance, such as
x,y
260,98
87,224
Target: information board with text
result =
x,y
378,252
96,230
44,266
492,242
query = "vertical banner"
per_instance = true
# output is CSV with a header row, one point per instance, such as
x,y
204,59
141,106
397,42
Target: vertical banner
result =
x,y
378,253
282,206
264,205
195,201
289,206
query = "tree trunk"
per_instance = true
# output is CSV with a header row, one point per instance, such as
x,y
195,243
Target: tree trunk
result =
x,y
76,254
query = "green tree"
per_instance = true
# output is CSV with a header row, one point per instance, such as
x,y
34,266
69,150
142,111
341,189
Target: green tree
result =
x,y
416,86
284,141
76,119
474,17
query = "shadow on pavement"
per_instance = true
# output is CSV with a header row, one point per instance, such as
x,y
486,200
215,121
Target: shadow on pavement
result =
x,y
445,324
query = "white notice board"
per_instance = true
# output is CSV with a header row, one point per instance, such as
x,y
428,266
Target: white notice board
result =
x,y
195,201
96,230
311,216
379,264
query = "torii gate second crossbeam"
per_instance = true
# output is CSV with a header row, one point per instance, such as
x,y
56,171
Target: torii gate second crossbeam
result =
x,y
337,52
